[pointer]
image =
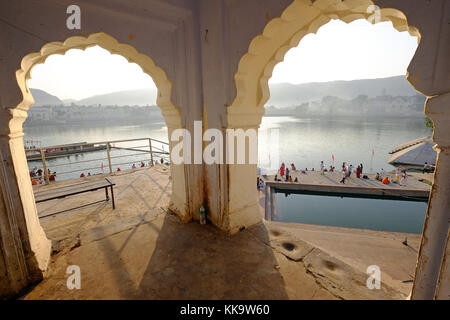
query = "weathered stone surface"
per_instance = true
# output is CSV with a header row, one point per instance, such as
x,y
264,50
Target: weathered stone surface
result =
x,y
202,77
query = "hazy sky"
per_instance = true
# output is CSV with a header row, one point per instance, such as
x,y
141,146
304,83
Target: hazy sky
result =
x,y
80,74
341,51
338,51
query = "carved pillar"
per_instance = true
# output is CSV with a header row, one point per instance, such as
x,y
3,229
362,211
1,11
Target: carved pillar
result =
x,y
24,248
443,286
436,227
243,208
179,203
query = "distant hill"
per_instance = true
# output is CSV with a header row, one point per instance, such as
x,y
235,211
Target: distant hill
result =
x,y
281,94
42,98
286,94
140,97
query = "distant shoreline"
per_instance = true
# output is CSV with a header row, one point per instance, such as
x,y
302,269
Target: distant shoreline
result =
x,y
152,120
350,115
96,122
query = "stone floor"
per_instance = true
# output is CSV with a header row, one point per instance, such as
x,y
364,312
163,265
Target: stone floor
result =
x,y
139,251
133,203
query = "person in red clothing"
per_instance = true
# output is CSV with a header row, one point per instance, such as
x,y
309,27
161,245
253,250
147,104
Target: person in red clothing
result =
x,y
282,169
358,172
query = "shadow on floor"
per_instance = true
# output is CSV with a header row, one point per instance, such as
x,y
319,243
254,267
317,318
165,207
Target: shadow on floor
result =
x,y
200,262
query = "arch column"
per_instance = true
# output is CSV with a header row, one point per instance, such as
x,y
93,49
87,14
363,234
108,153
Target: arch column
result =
x,y
24,248
243,208
255,68
179,202
432,265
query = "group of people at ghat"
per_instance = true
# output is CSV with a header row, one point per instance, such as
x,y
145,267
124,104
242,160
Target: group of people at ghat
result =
x,y
284,174
37,176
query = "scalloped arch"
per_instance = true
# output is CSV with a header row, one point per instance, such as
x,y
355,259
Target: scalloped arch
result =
x,y
266,50
170,112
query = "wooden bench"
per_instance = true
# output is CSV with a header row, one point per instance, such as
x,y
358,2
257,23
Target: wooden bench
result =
x,y
70,190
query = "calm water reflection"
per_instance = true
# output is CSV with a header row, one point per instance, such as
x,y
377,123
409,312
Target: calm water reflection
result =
x,y
308,141
373,214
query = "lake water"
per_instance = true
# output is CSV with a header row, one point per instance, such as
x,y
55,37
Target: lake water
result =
x,y
72,166
372,214
304,142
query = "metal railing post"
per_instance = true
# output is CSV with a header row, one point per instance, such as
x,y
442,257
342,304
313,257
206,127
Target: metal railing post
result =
x,y
44,166
151,152
109,157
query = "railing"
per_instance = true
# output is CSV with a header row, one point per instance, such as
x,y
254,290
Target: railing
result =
x,y
63,160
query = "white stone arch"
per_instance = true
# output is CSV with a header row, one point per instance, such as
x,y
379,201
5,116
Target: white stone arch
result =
x,y
255,68
171,114
251,80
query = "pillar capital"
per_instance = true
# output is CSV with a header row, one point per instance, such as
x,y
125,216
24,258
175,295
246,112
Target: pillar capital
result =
x,y
437,108
244,118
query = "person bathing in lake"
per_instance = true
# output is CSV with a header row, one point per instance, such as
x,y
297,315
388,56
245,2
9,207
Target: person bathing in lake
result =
x,y
293,167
